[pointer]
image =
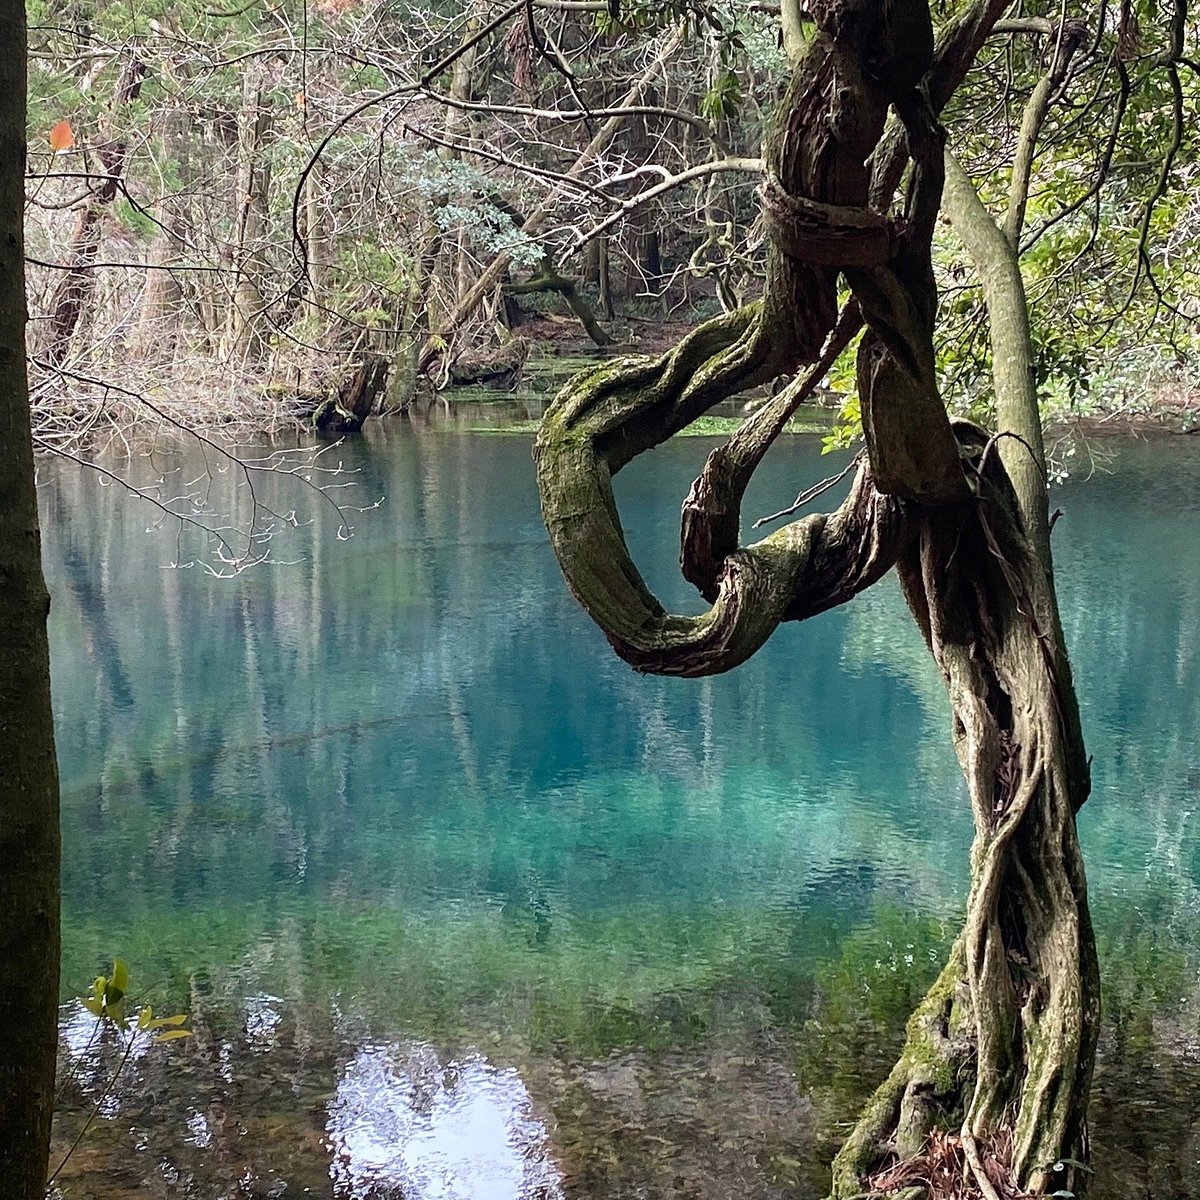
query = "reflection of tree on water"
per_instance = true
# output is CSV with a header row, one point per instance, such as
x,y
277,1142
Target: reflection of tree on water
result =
x,y
374,775
406,1123
734,1084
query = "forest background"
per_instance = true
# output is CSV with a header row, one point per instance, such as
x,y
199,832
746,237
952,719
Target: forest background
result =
x,y
243,217
236,213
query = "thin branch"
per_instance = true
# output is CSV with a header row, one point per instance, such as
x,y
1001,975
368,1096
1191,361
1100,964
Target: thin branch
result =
x,y
811,493
572,114
753,166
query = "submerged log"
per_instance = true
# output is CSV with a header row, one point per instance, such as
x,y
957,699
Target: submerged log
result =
x,y
354,397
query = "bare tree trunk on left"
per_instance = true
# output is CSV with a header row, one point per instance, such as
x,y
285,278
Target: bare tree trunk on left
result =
x,y
29,844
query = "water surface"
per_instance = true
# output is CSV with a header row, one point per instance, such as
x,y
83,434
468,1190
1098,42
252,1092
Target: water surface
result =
x,y
459,906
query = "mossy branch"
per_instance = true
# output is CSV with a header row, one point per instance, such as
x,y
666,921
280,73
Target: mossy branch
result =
x,y
548,279
605,416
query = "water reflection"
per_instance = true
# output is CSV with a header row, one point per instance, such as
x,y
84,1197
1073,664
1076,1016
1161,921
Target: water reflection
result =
x,y
96,1053
403,777
405,1120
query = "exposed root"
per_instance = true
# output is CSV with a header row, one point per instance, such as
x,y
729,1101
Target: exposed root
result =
x,y
954,1166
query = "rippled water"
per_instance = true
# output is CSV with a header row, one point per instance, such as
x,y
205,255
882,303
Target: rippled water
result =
x,y
458,906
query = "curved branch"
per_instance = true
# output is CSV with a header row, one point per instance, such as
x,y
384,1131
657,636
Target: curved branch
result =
x,y
564,115
606,416
751,166
711,519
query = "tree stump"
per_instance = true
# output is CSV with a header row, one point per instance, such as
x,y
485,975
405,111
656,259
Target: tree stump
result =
x,y
353,399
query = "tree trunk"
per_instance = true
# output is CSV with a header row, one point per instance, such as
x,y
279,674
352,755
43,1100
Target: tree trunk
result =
x,y
992,1083
604,294
999,1056
75,288
162,299
996,261
29,840
644,276
161,307
354,398
996,252
244,337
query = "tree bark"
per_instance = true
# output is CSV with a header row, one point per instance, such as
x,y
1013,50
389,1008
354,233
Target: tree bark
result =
x,y
995,250
29,839
1003,1046
354,398
161,307
997,264
992,1084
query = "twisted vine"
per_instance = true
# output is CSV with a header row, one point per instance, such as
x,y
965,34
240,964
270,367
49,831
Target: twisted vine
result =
x,y
997,1063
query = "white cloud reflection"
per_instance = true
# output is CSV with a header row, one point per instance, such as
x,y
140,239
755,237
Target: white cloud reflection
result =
x,y
403,1120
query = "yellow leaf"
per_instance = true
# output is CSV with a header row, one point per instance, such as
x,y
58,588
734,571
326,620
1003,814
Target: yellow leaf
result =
x,y
161,1022
62,137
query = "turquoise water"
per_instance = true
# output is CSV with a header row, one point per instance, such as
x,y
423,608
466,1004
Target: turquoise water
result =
x,y
458,906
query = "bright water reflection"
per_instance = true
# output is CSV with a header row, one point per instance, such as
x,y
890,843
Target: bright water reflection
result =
x,y
392,813
459,1130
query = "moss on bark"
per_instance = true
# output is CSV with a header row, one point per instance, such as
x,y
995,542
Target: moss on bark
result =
x,y
991,1086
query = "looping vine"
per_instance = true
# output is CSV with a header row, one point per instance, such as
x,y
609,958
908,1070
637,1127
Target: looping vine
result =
x,y
829,235
997,1063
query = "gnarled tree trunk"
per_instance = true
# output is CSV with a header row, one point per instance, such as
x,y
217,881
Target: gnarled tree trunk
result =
x,y
992,1083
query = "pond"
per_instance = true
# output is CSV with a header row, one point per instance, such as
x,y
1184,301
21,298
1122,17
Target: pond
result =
x,y
459,907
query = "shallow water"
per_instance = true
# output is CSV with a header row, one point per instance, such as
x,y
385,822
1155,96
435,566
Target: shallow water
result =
x,y
458,906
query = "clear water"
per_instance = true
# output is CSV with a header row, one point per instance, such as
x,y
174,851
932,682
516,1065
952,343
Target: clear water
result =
x,y
460,907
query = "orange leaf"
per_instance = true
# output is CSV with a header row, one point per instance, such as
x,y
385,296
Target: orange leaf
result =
x,y
301,100
61,137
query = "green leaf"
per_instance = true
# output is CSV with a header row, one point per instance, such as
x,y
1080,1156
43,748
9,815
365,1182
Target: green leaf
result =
x,y
172,1034
1063,1163
120,976
163,1022
94,1006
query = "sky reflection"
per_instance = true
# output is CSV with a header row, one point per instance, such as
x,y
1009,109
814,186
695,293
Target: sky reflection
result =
x,y
405,1121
